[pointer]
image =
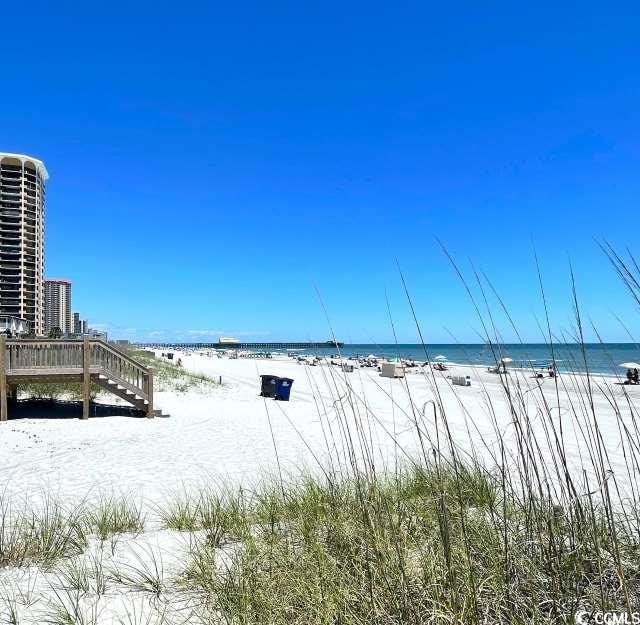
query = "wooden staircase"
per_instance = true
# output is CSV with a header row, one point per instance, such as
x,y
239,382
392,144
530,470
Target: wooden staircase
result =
x,y
81,361
120,390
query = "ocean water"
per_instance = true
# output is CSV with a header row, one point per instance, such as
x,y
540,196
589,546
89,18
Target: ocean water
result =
x,y
594,357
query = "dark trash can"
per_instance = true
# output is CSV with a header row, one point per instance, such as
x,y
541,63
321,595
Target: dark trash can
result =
x,y
268,385
283,389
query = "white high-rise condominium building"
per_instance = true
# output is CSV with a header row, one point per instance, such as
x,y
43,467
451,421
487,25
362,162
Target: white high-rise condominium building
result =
x,y
22,201
57,305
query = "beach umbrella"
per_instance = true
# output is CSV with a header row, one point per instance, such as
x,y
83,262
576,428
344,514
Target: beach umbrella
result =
x,y
440,357
629,365
507,360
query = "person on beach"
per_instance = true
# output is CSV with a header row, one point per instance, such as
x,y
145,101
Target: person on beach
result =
x,y
635,376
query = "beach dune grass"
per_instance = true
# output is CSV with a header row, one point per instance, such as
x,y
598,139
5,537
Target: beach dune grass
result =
x,y
221,514
115,515
42,535
48,532
431,544
168,376
53,391
443,542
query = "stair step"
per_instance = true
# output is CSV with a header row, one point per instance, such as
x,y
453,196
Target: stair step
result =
x,y
130,396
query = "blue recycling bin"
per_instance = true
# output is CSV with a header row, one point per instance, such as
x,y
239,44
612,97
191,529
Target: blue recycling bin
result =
x,y
283,388
268,385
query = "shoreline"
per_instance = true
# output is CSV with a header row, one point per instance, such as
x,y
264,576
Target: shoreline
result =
x,y
229,432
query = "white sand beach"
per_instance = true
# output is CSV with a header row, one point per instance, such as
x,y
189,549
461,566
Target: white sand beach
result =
x,y
231,433
217,435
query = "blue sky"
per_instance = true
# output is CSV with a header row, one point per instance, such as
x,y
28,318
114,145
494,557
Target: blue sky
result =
x,y
211,165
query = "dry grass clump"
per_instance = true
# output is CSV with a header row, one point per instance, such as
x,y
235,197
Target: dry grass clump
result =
x,y
49,532
220,516
51,392
169,377
43,535
115,516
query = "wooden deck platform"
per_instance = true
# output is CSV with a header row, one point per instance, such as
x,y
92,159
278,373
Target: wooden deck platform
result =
x,y
86,361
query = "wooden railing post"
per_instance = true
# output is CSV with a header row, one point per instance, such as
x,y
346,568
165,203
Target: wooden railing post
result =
x,y
3,377
150,413
86,377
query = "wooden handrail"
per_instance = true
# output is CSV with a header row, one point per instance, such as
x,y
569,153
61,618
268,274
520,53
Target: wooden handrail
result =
x,y
119,353
54,343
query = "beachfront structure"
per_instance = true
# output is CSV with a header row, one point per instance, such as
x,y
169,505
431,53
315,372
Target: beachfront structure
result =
x,y
14,326
228,340
22,203
87,362
57,305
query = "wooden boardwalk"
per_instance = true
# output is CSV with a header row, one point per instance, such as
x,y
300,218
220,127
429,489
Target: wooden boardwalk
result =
x,y
84,362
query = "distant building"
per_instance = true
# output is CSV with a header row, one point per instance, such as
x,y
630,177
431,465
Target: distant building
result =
x,y
91,333
228,340
77,323
57,305
96,334
14,326
22,201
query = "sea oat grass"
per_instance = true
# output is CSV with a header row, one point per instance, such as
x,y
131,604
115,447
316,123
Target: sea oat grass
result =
x,y
42,535
410,549
115,516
